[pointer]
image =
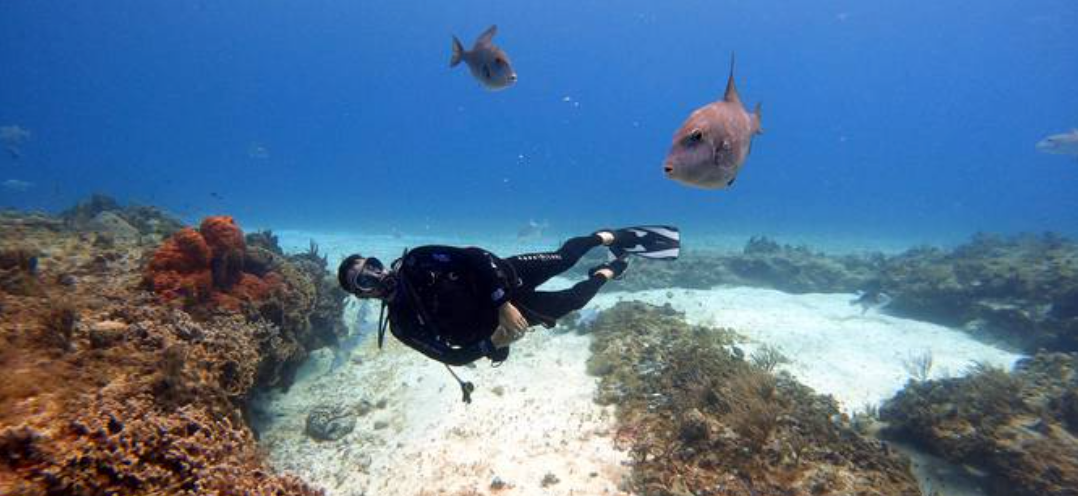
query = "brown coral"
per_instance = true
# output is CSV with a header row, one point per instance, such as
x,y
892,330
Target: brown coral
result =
x,y
1016,426
699,420
145,398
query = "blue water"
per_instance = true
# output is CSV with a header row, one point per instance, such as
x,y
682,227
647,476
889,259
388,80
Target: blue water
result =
x,y
887,118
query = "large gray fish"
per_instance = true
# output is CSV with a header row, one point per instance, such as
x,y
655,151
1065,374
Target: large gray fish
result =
x,y
1060,144
488,63
712,145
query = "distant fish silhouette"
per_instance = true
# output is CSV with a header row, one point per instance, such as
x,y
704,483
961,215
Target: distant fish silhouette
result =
x,y
12,137
532,231
488,63
1060,144
17,185
871,300
712,145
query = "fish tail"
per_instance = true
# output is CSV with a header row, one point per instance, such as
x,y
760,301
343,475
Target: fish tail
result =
x,y
757,117
458,53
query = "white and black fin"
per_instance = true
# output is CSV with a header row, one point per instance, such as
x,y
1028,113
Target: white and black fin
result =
x,y
655,242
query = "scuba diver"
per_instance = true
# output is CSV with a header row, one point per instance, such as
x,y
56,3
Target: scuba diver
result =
x,y
457,305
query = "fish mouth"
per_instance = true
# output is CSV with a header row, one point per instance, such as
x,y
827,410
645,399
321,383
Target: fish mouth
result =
x,y
668,169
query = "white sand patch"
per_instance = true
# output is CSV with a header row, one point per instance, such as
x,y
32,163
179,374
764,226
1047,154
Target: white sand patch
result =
x,y
543,422
859,359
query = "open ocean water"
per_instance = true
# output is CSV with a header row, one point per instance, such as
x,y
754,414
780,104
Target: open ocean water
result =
x,y
340,126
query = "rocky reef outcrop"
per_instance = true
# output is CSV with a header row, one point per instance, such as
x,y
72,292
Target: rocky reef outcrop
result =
x,y
697,418
104,216
1020,428
762,262
116,384
1022,290
1019,290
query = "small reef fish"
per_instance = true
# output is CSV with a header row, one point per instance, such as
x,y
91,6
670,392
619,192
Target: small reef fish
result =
x,y
1060,144
488,63
532,231
712,145
871,300
13,135
17,185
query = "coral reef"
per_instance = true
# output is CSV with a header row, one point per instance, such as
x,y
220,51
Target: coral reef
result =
x,y
1021,290
762,263
1020,428
699,419
113,389
103,214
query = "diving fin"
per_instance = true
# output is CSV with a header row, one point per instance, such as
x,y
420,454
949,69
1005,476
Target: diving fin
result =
x,y
655,242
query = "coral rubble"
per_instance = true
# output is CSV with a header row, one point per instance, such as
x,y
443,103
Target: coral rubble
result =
x,y
699,419
111,388
1020,428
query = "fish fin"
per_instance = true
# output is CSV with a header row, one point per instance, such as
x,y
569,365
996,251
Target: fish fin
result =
x,y
458,53
757,118
731,89
487,37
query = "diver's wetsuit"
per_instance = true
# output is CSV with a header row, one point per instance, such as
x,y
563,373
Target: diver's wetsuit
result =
x,y
447,299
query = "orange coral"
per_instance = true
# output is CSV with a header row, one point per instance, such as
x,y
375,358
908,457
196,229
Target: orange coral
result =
x,y
206,267
222,234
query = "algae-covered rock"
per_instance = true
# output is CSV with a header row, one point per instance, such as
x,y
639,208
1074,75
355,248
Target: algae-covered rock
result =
x,y
1021,290
762,263
329,422
1016,426
699,419
100,213
109,391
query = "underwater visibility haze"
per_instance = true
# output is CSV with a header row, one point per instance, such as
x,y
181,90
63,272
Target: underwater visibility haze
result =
x,y
854,274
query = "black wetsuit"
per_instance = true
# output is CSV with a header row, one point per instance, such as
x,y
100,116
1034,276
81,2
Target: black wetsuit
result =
x,y
447,298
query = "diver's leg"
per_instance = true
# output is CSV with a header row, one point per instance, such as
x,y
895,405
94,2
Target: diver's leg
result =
x,y
534,269
546,307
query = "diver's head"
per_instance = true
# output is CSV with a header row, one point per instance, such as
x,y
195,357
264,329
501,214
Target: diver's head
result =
x,y
365,277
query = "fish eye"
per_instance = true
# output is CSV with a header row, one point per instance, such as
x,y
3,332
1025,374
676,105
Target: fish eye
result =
x,y
499,62
695,136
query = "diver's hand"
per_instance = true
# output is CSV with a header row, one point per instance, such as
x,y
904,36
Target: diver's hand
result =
x,y
511,319
503,337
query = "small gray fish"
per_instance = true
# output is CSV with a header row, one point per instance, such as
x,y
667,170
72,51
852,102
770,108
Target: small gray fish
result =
x,y
532,231
17,185
1060,144
13,135
871,300
488,63
712,145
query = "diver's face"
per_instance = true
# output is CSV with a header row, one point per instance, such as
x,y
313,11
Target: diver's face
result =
x,y
365,278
